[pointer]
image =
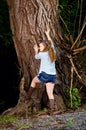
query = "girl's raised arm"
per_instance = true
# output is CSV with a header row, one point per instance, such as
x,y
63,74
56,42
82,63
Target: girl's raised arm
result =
x,y
48,35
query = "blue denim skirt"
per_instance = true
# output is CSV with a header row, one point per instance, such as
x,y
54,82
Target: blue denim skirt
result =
x,y
45,78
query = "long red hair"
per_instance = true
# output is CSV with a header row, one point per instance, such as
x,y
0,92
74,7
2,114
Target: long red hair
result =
x,y
51,52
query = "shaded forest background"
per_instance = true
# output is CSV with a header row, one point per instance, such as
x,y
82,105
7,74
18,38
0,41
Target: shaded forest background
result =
x,y
72,15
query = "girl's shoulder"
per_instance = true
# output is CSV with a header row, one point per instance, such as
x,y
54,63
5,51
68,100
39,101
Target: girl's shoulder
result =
x,y
45,52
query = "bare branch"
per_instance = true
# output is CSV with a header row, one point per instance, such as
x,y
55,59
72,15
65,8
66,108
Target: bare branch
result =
x,y
71,85
64,24
80,16
79,35
71,61
76,17
78,50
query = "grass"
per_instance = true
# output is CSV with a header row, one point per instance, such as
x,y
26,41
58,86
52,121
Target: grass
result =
x,y
6,119
23,126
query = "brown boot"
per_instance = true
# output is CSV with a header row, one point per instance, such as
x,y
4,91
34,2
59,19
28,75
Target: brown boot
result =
x,y
51,107
29,93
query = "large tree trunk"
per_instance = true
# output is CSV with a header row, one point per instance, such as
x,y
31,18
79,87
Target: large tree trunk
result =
x,y
29,19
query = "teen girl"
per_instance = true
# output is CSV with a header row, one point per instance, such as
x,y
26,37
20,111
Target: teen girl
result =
x,y
47,72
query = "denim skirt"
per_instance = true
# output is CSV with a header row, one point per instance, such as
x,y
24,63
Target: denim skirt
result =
x,y
45,78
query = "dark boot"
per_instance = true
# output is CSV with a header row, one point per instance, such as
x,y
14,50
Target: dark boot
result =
x,y
51,107
29,93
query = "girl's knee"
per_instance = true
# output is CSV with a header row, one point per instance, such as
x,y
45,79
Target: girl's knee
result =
x,y
34,79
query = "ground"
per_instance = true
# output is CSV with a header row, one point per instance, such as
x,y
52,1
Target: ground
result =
x,y
66,121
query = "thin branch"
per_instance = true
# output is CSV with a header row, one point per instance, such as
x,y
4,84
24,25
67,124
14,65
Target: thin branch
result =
x,y
79,34
64,23
80,16
81,41
76,17
71,85
78,50
71,61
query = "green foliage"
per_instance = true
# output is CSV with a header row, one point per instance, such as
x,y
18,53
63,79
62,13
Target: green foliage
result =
x,y
67,11
69,122
76,99
70,12
5,31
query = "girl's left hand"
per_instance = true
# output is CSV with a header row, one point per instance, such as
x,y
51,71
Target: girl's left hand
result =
x,y
36,48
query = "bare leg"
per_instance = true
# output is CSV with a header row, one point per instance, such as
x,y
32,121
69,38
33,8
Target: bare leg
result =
x,y
34,82
49,89
32,87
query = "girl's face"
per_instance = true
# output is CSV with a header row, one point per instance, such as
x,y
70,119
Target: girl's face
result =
x,y
41,47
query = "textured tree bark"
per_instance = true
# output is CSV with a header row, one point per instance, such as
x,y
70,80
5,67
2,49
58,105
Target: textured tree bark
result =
x,y
29,20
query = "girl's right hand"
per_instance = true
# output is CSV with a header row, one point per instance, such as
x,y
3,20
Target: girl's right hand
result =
x,y
47,32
